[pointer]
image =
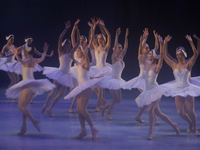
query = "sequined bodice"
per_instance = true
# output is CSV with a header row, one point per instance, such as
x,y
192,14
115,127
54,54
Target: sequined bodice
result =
x,y
101,59
182,78
150,79
65,63
117,69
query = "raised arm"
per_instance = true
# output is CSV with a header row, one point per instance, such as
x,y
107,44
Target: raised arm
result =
x,y
18,58
160,60
40,54
91,34
71,53
156,47
74,32
166,56
125,43
198,43
45,48
118,32
107,47
192,61
95,45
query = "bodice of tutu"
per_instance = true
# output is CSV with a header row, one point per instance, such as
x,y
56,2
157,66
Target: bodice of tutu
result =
x,y
93,57
82,74
182,78
150,79
101,59
142,71
65,63
27,73
11,58
23,54
117,69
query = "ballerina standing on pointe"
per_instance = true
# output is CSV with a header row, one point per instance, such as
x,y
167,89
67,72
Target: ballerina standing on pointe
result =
x,y
101,52
183,91
62,76
139,81
9,62
26,89
114,82
83,92
153,92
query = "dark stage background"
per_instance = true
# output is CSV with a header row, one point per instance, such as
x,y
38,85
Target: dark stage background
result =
x,y
44,21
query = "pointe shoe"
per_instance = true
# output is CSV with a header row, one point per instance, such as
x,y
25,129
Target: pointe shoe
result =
x,y
50,113
36,124
157,122
196,132
81,135
43,108
71,110
103,108
150,136
176,128
94,133
139,120
23,130
109,117
97,109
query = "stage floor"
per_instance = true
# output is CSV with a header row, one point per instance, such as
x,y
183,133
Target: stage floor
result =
x,y
122,133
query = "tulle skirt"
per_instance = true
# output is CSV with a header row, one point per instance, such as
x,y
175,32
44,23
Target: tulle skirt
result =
x,y
37,86
109,82
17,67
97,71
2,61
136,82
195,81
9,66
83,86
66,79
149,96
173,90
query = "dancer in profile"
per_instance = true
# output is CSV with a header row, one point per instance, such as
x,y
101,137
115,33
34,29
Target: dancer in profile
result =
x,y
114,82
183,91
83,92
9,63
153,92
26,89
139,81
62,76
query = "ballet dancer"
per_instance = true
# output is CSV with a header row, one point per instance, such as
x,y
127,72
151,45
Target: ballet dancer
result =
x,y
181,89
28,88
62,76
114,82
153,92
83,92
9,64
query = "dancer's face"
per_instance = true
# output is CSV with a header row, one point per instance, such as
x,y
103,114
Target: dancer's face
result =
x,y
83,41
180,56
29,41
100,39
11,40
150,56
79,53
95,39
146,49
67,45
119,48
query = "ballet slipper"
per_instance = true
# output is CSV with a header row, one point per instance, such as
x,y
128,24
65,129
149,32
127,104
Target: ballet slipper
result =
x,y
139,120
176,128
97,109
94,133
71,110
109,117
23,130
36,124
81,135
196,132
189,128
103,108
150,136
43,108
50,113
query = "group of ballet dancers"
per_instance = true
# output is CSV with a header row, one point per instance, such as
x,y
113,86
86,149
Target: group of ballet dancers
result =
x,y
96,75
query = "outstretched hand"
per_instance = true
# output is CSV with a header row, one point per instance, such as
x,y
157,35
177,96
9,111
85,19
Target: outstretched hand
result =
x,y
77,22
159,38
155,33
93,20
118,31
167,38
145,32
101,22
127,32
15,51
188,37
90,24
196,37
52,53
45,47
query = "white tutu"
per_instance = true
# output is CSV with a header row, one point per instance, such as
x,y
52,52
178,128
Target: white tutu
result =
x,y
108,82
97,71
66,79
9,67
173,90
2,61
83,86
17,68
38,87
149,96
136,82
195,81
